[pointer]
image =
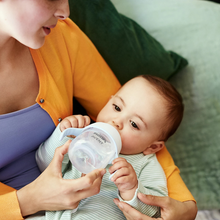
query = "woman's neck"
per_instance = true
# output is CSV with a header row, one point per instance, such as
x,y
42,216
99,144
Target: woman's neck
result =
x,y
17,76
10,49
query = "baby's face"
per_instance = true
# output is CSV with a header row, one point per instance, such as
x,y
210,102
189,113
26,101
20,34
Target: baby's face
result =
x,y
137,111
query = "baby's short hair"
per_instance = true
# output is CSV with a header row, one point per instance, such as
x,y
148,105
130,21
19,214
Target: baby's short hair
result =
x,y
175,107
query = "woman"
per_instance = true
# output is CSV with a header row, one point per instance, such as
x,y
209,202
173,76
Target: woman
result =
x,y
45,60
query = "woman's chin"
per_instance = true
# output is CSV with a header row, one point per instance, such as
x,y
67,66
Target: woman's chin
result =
x,y
36,44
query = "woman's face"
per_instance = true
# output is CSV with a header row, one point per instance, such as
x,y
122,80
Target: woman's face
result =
x,y
29,21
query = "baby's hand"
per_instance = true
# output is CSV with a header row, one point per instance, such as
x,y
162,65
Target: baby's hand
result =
x,y
125,178
74,121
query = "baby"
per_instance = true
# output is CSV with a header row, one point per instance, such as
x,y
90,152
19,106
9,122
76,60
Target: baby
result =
x,y
146,111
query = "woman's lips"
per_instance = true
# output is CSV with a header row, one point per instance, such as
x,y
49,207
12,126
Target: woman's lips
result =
x,y
47,30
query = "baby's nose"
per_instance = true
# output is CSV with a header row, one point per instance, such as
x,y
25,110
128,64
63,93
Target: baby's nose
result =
x,y
115,124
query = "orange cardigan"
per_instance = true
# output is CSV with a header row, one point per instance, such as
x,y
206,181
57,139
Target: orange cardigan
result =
x,y
69,65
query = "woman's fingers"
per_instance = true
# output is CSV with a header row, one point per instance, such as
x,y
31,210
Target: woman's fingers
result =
x,y
159,201
56,164
171,209
131,213
88,180
93,189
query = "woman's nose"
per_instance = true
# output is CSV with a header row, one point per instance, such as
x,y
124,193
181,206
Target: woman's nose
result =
x,y
63,10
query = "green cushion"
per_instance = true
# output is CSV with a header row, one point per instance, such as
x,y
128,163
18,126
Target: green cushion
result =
x,y
127,48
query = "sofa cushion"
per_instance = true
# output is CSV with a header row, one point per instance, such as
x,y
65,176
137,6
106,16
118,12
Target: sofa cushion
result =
x,y
127,48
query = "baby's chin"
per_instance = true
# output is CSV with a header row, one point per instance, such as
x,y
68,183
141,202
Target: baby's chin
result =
x,y
128,151
124,152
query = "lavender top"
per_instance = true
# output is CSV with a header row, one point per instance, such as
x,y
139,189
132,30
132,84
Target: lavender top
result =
x,y
21,133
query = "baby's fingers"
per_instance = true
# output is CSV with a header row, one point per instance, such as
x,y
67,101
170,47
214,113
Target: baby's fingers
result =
x,y
82,121
119,174
65,124
119,159
118,163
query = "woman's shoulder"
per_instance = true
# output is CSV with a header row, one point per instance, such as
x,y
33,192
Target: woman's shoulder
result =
x,y
66,37
67,25
62,43
66,29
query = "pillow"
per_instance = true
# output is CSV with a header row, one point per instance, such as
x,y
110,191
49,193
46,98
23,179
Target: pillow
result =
x,y
190,27
127,48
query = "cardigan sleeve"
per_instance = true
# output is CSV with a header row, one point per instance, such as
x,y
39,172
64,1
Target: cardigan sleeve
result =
x,y
9,203
176,187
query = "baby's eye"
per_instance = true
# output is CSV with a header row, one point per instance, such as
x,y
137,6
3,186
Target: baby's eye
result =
x,y
116,108
133,124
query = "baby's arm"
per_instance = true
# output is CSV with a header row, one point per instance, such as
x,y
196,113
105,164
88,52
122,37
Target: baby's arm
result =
x,y
151,181
125,178
45,152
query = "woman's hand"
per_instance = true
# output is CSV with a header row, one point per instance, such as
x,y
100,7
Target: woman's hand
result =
x,y
51,192
171,209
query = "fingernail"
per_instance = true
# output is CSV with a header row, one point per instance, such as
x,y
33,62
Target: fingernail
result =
x,y
141,194
120,205
116,201
103,172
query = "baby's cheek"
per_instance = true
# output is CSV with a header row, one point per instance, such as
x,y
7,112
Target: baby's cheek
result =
x,y
127,144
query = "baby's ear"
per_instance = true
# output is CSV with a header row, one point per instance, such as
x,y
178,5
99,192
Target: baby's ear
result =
x,y
154,148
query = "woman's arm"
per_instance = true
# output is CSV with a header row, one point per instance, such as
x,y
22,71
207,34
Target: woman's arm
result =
x,y
51,192
176,187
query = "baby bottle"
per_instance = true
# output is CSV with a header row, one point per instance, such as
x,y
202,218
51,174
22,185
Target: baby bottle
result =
x,y
94,147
